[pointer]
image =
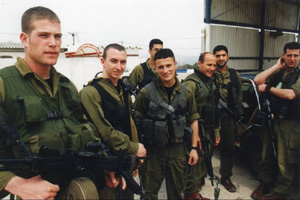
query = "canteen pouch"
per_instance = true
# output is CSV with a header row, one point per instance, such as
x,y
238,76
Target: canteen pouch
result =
x,y
179,125
161,135
294,145
81,134
147,132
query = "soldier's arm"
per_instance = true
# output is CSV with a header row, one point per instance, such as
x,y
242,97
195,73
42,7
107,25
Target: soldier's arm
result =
x,y
262,77
114,139
141,104
136,76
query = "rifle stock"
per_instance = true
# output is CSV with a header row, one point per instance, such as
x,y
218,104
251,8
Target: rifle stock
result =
x,y
270,123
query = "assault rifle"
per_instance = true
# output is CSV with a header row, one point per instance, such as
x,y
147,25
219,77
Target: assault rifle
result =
x,y
207,150
208,153
222,104
90,163
270,122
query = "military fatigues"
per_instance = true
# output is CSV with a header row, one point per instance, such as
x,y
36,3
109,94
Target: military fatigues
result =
x,y
163,136
141,75
109,109
43,115
287,129
203,89
224,82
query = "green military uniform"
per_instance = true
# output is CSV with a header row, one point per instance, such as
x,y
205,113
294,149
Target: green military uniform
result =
x,y
287,131
203,88
224,82
44,112
166,159
116,140
139,77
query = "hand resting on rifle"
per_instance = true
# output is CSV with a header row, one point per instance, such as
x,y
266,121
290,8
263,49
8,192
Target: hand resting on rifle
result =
x,y
33,188
112,181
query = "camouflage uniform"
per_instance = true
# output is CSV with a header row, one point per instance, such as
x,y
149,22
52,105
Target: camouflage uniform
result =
x,y
228,125
116,140
170,160
287,131
203,88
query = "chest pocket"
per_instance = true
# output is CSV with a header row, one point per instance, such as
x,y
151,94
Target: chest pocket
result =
x,y
34,110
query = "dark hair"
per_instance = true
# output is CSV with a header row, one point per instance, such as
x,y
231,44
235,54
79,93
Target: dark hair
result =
x,y
112,46
220,48
164,53
155,41
202,56
291,45
36,13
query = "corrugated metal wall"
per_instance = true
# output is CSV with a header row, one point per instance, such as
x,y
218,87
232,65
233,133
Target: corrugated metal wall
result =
x,y
281,15
242,11
242,42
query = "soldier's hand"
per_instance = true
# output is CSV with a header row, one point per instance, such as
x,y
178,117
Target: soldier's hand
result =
x,y
193,159
33,188
112,181
217,141
262,87
141,151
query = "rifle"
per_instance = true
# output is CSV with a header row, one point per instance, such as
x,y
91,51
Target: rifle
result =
x,y
90,163
222,103
206,146
208,153
270,122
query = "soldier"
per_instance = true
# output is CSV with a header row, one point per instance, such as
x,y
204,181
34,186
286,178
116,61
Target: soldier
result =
x,y
144,73
165,108
281,85
43,104
108,106
229,83
203,88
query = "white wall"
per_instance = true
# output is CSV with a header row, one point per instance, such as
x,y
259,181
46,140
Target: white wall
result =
x,y
79,70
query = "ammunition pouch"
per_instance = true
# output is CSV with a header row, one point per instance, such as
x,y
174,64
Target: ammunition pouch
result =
x,y
161,133
179,125
75,139
294,146
157,131
80,135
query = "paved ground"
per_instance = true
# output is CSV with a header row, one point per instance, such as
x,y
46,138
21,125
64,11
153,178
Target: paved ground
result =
x,y
242,179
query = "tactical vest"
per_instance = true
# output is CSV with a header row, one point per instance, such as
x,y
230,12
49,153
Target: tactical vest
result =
x,y
205,106
164,123
282,108
42,120
148,76
232,88
118,117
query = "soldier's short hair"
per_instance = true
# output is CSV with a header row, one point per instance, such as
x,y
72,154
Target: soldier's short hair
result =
x,y
112,46
164,53
291,45
155,41
202,56
37,13
220,48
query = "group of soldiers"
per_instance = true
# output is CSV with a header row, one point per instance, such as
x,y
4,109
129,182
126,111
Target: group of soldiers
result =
x,y
162,125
